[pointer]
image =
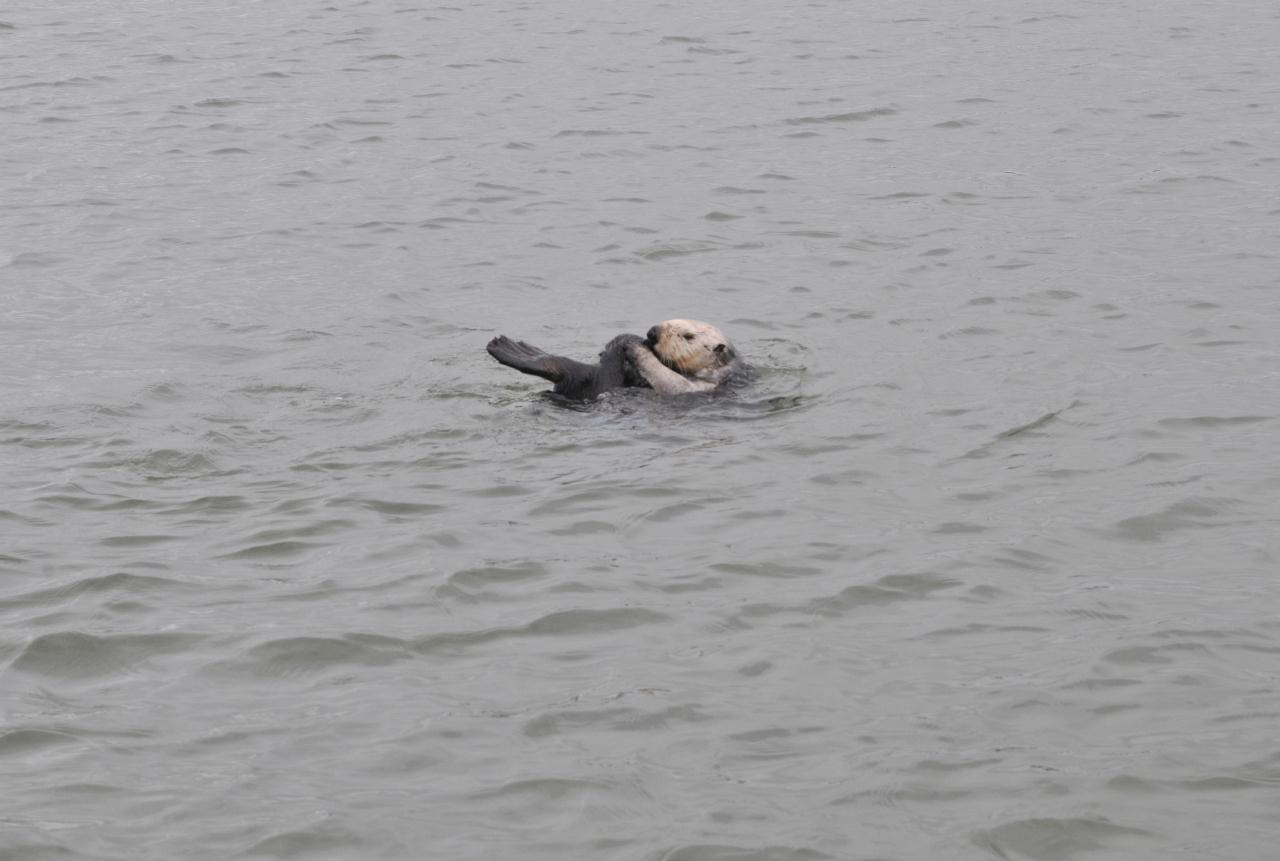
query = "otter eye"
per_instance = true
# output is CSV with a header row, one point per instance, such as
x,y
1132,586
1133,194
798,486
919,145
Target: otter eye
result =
x,y
688,336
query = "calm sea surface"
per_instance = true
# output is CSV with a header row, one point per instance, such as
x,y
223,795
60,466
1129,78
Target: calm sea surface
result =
x,y
980,564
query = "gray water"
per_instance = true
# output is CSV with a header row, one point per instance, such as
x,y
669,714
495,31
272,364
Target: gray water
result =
x,y
980,563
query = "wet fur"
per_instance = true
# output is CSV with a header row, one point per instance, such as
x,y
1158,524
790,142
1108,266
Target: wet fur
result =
x,y
677,357
685,356
574,380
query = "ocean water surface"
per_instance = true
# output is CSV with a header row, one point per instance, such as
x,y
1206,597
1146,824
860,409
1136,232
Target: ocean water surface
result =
x,y
980,563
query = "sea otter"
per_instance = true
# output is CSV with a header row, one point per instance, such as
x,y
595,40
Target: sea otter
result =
x,y
676,357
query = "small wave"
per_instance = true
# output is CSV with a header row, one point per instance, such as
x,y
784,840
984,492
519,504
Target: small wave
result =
x,y
75,655
771,570
1056,838
219,504
889,589
546,787
666,250
597,133
322,840
172,463
563,623
615,719
118,584
848,117
22,742
298,656
35,260
136,540
394,508
1213,421
478,578
728,852
1188,514
275,550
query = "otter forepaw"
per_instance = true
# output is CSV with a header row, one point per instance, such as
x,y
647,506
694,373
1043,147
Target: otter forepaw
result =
x,y
637,347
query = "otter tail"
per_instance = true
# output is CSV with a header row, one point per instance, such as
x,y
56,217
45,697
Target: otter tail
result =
x,y
528,359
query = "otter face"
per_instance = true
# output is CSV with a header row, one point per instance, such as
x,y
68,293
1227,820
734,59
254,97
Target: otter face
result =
x,y
694,349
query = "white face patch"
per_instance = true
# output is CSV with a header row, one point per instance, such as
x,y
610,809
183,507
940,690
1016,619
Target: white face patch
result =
x,y
692,348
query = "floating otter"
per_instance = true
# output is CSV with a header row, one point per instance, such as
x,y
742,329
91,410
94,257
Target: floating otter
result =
x,y
676,357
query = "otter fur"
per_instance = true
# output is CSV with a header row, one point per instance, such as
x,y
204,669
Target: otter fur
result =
x,y
676,357
680,356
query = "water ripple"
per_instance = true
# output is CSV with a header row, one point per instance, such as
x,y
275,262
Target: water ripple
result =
x,y
564,623
76,655
1048,839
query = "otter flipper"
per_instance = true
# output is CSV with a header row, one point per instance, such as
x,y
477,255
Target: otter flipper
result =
x,y
528,358
573,380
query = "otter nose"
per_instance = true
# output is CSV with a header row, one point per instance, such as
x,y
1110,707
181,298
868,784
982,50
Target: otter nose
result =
x,y
652,335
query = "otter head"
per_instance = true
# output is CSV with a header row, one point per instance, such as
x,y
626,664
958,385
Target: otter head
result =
x,y
696,350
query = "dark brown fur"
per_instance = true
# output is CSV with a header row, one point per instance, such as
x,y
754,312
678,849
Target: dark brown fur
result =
x,y
574,380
